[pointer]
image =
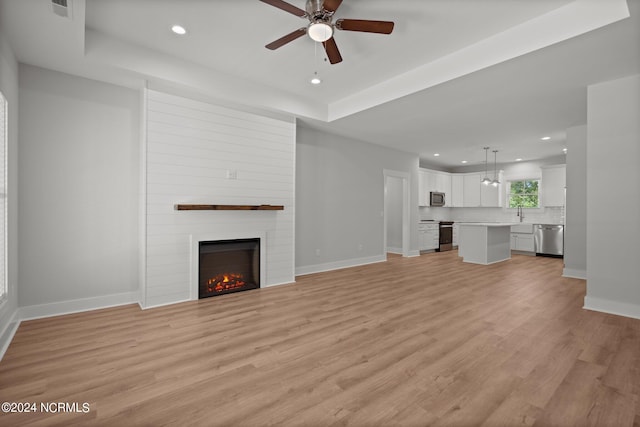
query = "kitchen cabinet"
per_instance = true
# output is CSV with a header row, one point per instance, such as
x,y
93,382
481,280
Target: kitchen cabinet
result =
x,y
455,233
457,188
437,181
443,185
429,236
522,242
460,189
471,190
423,188
522,237
552,185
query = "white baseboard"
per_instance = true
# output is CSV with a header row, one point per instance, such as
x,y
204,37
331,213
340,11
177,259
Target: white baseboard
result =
x,y
574,273
612,307
9,331
394,250
414,253
78,305
319,268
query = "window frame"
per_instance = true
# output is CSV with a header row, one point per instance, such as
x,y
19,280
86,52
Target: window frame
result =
x,y
508,195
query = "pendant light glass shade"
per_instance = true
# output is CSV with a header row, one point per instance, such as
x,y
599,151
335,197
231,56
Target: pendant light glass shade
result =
x,y
495,181
486,180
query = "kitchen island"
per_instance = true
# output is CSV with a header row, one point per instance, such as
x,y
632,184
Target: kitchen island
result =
x,y
485,242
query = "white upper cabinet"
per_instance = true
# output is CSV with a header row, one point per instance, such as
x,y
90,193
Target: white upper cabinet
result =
x,y
552,185
460,189
433,181
471,190
423,188
457,191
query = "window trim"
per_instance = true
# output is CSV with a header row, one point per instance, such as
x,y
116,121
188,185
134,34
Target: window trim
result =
x,y
508,194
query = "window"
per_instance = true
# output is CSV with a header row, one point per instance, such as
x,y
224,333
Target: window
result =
x,y
523,194
3,197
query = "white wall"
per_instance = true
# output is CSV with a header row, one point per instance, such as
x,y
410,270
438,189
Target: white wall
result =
x,y
613,197
190,146
9,88
340,200
79,171
575,231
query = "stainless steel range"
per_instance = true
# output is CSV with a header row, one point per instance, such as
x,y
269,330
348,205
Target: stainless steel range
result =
x,y
446,236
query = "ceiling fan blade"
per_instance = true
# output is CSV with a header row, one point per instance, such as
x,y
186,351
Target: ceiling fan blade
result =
x,y
381,27
286,39
333,53
286,7
331,5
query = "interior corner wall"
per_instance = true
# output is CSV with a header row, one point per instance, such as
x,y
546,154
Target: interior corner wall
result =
x,y
9,88
340,200
78,183
575,234
613,197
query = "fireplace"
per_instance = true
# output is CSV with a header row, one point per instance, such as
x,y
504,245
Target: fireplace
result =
x,y
227,266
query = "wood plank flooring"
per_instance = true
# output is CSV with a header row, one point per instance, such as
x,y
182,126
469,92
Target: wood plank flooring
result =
x,y
425,341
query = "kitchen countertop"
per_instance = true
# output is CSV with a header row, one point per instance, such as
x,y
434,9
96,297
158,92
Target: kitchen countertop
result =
x,y
489,224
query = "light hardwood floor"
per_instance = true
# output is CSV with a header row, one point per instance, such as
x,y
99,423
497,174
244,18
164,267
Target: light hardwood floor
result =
x,y
410,342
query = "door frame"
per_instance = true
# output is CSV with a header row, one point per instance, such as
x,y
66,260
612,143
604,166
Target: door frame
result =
x,y
404,176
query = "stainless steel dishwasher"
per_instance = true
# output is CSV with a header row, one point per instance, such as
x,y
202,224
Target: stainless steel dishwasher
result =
x,y
548,239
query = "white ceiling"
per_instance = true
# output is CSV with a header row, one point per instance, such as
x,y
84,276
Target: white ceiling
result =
x,y
453,77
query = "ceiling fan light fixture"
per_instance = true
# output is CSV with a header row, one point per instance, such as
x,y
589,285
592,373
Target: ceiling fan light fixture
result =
x,y
315,80
320,31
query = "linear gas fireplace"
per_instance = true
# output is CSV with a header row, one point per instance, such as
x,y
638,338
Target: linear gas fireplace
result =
x,y
227,266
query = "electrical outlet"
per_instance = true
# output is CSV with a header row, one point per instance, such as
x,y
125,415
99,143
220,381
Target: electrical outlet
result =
x,y
360,247
232,174
317,252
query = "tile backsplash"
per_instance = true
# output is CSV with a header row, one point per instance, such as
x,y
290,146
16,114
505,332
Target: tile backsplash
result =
x,y
554,215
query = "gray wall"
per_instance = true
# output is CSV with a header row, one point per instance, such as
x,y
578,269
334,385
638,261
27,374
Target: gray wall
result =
x,y
79,175
613,197
575,232
9,88
340,199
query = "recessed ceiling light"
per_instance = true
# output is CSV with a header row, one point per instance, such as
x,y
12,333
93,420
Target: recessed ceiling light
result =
x,y
436,155
464,161
315,80
179,29
545,138
518,160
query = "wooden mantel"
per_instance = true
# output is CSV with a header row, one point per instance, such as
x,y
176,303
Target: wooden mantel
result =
x,y
228,207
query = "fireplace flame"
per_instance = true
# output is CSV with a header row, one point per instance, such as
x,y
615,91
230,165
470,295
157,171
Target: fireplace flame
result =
x,y
225,282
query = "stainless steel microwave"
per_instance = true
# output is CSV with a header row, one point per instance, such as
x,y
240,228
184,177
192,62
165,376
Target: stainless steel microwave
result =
x,y
437,199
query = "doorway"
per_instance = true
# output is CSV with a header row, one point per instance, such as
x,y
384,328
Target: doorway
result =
x,y
396,212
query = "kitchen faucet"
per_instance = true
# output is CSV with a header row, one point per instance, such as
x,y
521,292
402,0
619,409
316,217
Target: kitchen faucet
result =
x,y
520,213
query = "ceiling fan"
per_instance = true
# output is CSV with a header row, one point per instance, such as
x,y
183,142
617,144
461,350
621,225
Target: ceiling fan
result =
x,y
321,28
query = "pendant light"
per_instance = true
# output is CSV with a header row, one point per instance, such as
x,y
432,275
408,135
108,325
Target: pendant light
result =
x,y
495,181
486,180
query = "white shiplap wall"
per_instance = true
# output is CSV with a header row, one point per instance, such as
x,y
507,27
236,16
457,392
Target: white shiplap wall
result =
x,y
189,148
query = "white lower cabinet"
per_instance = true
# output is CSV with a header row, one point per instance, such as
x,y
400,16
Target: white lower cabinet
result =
x,y
522,242
455,233
429,236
